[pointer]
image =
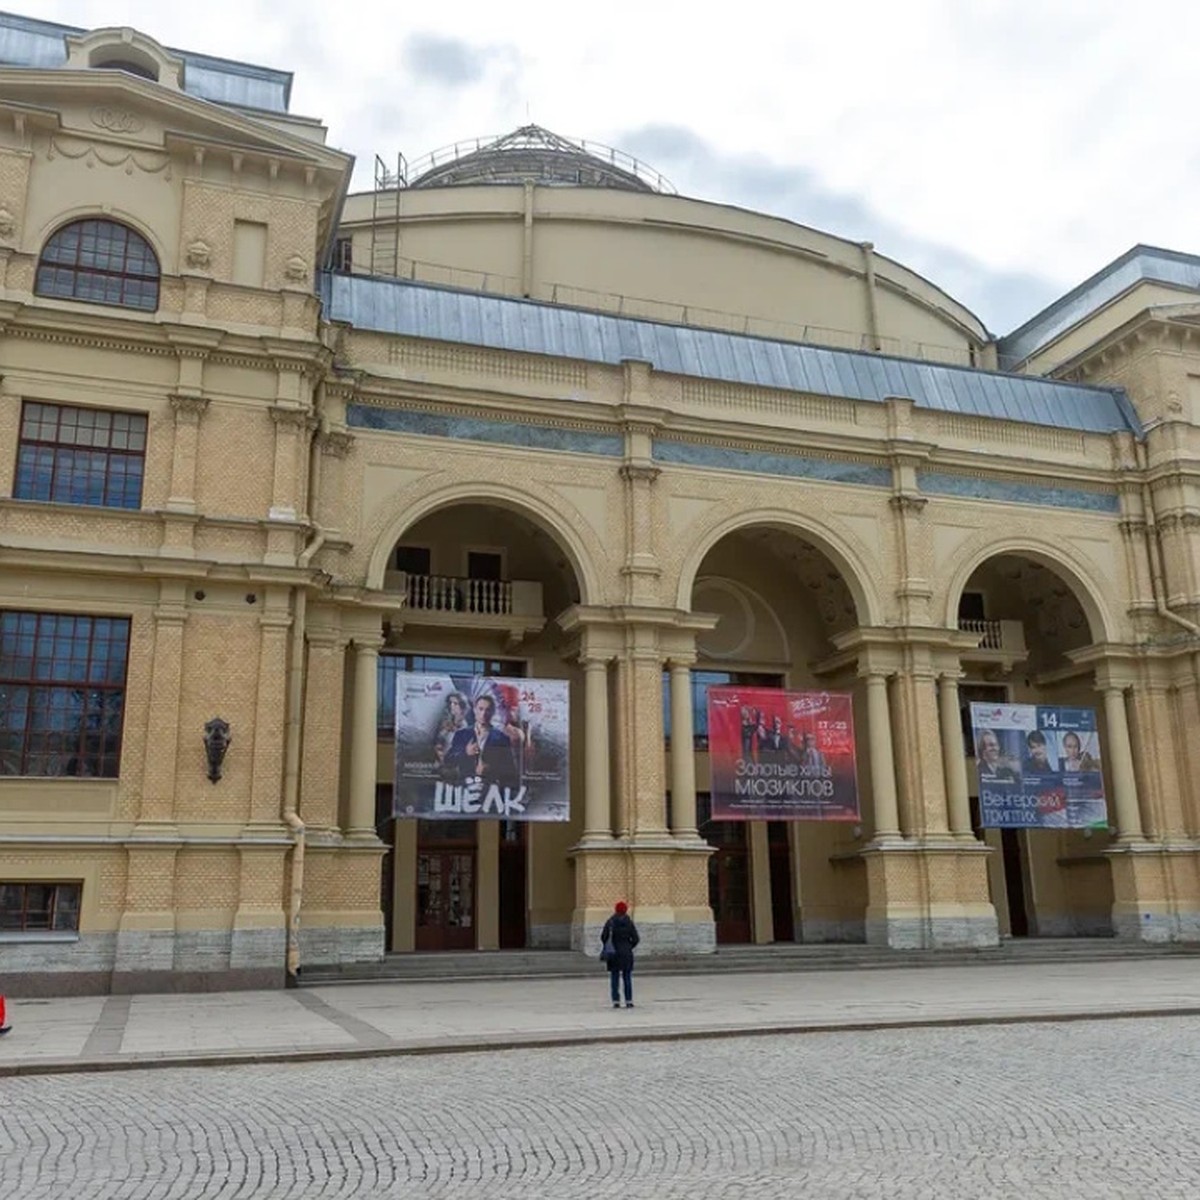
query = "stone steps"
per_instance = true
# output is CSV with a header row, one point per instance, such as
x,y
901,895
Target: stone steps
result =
x,y
526,964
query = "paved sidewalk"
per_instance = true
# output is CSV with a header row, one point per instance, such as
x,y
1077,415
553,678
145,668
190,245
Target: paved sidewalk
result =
x,y
359,1020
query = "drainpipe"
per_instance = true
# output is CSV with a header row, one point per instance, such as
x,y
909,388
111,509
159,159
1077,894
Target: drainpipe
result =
x,y
295,720
1158,586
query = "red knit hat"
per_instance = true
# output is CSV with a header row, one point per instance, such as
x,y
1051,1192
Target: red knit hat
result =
x,y
620,908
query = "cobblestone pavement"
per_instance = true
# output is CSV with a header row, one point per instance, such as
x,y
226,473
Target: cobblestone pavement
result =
x,y
1095,1109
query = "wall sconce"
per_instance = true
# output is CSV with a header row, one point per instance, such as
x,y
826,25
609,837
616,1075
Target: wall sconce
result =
x,y
217,740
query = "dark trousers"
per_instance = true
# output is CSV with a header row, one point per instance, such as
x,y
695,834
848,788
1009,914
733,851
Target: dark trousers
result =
x,y
625,975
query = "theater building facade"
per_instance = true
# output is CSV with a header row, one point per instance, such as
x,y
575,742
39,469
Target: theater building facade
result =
x,y
268,447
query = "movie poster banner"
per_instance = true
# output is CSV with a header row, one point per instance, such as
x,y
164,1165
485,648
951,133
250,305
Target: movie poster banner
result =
x,y
1039,767
781,756
475,747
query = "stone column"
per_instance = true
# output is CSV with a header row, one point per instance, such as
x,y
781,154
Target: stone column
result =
x,y
957,792
364,738
883,764
487,885
1120,756
683,760
597,806
762,915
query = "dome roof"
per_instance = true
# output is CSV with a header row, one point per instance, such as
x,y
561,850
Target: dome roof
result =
x,y
534,154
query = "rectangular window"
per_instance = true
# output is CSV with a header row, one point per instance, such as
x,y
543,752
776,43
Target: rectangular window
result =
x,y
433,664
69,455
40,907
62,693
343,255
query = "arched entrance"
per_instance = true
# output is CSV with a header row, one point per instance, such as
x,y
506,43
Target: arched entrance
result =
x,y
1031,614
780,599
476,587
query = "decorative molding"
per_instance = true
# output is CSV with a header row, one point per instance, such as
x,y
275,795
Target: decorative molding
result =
x,y
8,223
542,436
980,432
640,472
116,120
90,341
198,254
188,409
768,400
909,502
506,363
91,154
336,443
296,269
287,416
1012,491
769,461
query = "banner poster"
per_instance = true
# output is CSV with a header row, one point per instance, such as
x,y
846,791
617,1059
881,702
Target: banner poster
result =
x,y
781,756
476,747
1039,767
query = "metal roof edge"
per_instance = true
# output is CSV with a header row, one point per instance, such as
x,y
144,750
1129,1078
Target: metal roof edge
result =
x,y
1139,255
1114,394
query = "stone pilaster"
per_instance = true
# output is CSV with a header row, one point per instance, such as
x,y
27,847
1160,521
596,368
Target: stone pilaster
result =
x,y
162,727
320,777
364,738
266,767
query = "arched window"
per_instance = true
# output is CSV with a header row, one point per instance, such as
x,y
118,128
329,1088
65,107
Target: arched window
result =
x,y
101,262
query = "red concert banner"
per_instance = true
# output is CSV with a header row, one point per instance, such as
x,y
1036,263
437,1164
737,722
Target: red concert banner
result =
x,y
781,756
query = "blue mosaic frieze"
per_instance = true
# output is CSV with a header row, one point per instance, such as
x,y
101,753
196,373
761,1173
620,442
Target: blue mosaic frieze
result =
x,y
762,462
484,429
936,483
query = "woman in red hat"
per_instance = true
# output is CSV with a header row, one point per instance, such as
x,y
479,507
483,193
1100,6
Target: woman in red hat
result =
x,y
618,938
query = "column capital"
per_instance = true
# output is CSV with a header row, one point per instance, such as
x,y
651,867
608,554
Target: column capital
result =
x,y
594,658
680,662
364,642
187,407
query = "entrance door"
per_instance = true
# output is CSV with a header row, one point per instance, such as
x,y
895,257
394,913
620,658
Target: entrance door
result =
x,y
728,874
446,886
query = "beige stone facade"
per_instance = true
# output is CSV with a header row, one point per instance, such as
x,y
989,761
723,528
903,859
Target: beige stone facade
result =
x,y
655,519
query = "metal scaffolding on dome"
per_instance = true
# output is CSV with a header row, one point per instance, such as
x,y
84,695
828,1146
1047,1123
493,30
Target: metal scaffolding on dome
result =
x,y
530,154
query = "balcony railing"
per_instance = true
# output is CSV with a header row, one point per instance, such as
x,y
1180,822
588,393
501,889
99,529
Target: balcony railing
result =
x,y
457,594
1007,638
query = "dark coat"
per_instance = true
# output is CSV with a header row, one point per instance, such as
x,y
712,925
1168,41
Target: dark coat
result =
x,y
624,934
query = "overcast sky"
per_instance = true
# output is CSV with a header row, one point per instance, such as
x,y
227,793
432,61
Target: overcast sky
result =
x,y
1006,149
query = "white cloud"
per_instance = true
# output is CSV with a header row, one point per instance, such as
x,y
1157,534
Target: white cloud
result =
x,y
1006,142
